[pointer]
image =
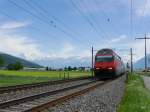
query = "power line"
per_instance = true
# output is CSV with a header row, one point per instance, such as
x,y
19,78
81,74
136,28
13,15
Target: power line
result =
x,y
145,38
106,16
39,18
131,18
39,9
34,28
96,23
84,16
54,18
33,7
27,11
143,12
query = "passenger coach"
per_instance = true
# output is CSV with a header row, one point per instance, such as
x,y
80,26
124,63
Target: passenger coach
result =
x,y
108,64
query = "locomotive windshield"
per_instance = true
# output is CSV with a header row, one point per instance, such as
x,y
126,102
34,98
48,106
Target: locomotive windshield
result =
x,y
105,51
104,58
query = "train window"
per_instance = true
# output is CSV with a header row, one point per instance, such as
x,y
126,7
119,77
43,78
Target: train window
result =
x,y
104,58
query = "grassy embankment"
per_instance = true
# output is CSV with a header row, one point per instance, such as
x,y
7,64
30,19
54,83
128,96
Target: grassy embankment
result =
x,y
9,78
137,97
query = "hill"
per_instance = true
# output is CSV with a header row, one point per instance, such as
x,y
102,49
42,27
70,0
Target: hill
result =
x,y
140,64
12,59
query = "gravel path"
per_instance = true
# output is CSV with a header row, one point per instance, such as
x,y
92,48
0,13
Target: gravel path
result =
x,y
147,81
103,99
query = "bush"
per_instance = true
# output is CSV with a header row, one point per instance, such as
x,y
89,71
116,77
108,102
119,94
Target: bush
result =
x,y
1,61
15,66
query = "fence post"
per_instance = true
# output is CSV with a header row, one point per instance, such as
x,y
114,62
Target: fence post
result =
x,y
68,75
59,75
64,75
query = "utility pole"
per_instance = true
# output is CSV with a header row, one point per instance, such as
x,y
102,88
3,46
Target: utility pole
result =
x,y
145,38
131,53
92,62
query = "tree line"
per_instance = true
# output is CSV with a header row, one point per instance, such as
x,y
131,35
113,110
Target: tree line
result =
x,y
19,66
11,66
67,68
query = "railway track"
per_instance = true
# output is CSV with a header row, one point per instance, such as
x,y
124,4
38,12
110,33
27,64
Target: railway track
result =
x,y
34,85
39,102
21,93
27,103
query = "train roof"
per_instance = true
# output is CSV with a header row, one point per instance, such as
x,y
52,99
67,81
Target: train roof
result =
x,y
105,51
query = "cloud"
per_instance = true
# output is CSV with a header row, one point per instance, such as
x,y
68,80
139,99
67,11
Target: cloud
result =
x,y
19,46
121,38
138,46
14,25
122,44
67,51
67,48
102,6
142,8
27,48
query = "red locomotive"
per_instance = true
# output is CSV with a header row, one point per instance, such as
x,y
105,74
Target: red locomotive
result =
x,y
108,64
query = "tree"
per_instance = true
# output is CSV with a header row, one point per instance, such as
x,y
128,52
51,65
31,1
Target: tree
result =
x,y
10,66
18,66
69,68
15,66
1,61
74,68
65,69
47,68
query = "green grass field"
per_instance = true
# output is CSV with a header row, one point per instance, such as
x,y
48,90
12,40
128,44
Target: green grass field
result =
x,y
9,78
137,97
145,73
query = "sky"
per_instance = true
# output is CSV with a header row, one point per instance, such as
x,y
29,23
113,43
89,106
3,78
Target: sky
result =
x,y
43,30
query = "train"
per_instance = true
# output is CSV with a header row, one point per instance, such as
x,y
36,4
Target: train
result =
x,y
108,64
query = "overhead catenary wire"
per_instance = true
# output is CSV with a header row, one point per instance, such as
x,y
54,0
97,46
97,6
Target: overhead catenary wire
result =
x,y
85,17
143,12
91,16
131,18
41,19
114,27
34,28
55,19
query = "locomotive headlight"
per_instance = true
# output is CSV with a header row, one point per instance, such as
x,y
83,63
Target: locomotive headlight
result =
x,y
110,68
97,68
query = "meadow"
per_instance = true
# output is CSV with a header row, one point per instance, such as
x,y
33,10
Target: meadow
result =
x,y
137,97
10,78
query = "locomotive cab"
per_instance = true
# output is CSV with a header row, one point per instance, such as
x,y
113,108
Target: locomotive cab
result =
x,y
107,64
104,66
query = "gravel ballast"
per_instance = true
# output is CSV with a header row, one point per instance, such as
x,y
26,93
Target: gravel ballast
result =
x,y
102,99
37,90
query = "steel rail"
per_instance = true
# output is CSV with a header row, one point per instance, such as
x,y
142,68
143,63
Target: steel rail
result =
x,y
37,96
40,84
62,99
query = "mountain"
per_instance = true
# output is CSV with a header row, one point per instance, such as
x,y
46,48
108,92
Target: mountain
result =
x,y
12,59
140,64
